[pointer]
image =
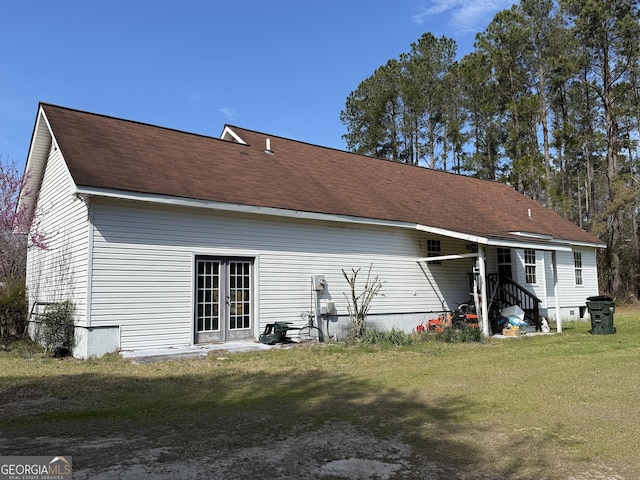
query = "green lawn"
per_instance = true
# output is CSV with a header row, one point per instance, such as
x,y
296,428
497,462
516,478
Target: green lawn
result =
x,y
556,406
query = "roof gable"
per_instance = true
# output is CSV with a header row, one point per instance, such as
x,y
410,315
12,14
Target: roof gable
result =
x,y
230,135
245,167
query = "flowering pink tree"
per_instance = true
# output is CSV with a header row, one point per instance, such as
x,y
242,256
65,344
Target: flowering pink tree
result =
x,y
19,226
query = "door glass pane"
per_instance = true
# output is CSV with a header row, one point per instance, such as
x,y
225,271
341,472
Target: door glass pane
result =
x,y
239,294
208,295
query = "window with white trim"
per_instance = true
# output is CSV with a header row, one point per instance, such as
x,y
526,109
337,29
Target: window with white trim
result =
x,y
504,262
530,266
577,266
433,250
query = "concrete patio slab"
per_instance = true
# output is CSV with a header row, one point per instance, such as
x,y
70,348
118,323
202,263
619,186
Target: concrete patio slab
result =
x,y
148,355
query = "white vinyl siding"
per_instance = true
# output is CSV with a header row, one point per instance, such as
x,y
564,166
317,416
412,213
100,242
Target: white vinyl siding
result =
x,y
59,273
144,256
570,293
571,296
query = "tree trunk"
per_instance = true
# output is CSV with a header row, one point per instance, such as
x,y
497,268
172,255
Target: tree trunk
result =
x,y
544,121
614,223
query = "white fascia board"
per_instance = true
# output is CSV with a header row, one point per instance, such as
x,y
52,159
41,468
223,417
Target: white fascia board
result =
x,y
583,244
562,246
549,238
558,247
229,132
452,234
36,158
234,207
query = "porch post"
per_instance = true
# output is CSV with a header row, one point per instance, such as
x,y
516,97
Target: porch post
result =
x,y
483,290
556,295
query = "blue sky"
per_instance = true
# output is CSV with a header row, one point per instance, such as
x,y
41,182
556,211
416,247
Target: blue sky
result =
x,y
284,67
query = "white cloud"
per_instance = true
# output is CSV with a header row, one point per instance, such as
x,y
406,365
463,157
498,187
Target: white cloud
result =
x,y
229,113
464,15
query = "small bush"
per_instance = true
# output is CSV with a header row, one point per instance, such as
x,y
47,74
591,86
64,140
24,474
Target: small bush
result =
x,y
464,335
57,332
13,309
389,337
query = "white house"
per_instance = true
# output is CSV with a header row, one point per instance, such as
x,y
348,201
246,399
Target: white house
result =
x,y
166,238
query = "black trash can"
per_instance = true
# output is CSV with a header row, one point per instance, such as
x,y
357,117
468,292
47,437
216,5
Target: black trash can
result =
x,y
601,311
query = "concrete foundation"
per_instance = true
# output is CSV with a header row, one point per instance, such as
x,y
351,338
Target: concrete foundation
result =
x,y
96,341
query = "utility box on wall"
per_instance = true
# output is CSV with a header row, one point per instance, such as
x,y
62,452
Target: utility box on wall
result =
x,y
318,282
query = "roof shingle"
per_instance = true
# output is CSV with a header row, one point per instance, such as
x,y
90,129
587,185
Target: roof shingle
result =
x,y
111,153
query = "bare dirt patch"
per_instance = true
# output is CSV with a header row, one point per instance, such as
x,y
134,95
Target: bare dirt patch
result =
x,y
335,451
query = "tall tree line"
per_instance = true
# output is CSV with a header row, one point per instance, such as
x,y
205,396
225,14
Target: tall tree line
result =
x,y
548,102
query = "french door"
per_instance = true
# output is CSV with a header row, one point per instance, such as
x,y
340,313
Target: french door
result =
x,y
223,299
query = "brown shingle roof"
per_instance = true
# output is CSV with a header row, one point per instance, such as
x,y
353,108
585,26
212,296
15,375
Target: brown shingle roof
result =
x,y
111,153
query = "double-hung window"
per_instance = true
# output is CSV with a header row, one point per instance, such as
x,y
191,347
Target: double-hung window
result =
x,y
433,250
577,266
530,266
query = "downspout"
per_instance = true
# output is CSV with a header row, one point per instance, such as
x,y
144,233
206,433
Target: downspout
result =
x,y
90,234
316,313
